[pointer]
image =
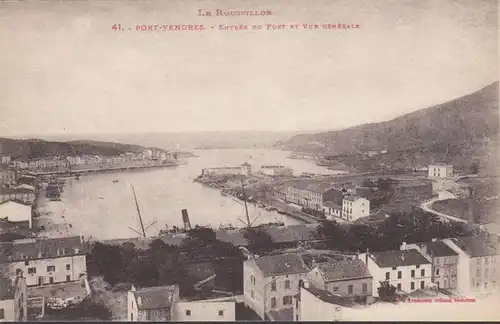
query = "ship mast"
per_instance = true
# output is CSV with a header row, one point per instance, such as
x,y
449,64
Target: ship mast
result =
x,y
140,217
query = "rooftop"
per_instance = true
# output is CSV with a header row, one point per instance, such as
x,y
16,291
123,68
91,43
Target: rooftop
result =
x,y
441,164
438,249
352,198
398,258
475,247
330,204
329,297
155,297
343,270
30,249
281,264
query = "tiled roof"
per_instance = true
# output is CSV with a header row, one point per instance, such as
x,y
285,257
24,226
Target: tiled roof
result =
x,y
343,270
329,297
398,258
281,264
475,247
319,187
29,249
438,249
155,297
7,289
352,198
330,204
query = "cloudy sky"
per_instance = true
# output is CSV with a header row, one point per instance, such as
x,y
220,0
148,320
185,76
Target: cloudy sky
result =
x,y
64,70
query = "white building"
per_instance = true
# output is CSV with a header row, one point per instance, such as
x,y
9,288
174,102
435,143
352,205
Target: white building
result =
x,y
45,261
246,169
152,303
208,310
16,213
440,171
270,282
478,269
407,270
13,299
313,304
5,159
332,210
7,177
275,170
354,207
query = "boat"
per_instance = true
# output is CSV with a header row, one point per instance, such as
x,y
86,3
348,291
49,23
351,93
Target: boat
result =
x,y
115,181
101,197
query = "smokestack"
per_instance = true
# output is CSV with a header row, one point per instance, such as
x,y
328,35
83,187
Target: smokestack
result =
x,y
366,256
185,219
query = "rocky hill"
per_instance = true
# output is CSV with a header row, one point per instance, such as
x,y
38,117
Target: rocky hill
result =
x,y
36,148
462,121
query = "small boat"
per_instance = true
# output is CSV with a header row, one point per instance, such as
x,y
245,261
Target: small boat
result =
x,y
115,181
101,197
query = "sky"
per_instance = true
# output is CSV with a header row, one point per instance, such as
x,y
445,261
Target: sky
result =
x,y
64,70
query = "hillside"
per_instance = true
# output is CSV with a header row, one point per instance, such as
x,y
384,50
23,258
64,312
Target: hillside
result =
x,y
462,121
36,148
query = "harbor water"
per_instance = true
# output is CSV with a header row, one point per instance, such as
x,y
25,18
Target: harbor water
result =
x,y
102,205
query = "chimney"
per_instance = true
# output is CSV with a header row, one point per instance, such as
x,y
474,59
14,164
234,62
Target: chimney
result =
x,y
403,256
403,246
185,219
434,240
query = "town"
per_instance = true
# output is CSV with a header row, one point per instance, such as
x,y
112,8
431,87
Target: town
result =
x,y
365,239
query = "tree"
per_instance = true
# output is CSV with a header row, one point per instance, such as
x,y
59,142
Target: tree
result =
x,y
386,292
258,239
384,184
202,235
333,233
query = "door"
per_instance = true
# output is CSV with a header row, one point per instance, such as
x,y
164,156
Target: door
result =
x,y
40,281
51,280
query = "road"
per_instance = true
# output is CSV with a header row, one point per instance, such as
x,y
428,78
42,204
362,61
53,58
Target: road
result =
x,y
442,195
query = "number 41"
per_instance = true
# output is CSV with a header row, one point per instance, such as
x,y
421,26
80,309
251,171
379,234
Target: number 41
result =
x,y
117,27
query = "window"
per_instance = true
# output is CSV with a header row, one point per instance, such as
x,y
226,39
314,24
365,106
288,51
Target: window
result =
x,y
252,279
296,317
68,278
26,263
478,273
335,288
68,267
297,303
486,260
412,286
273,286
399,286
394,268
221,313
273,302
252,293
51,280
387,276
485,285
477,285
422,273
437,260
350,289
132,317
422,284
287,300
418,266
287,284
437,272
51,268
413,273
365,287
486,272
399,274
32,270
188,312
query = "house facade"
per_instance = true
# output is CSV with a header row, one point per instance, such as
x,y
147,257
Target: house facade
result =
x,y
354,207
270,282
440,171
313,304
152,303
7,177
215,310
332,210
21,194
45,261
477,264
347,278
444,261
13,299
407,270
312,195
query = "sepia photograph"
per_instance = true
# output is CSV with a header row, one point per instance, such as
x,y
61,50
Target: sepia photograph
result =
x,y
232,160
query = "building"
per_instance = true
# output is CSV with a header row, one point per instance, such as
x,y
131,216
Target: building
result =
x,y
5,159
152,303
313,304
16,213
477,264
332,210
312,195
211,310
26,196
13,299
246,169
275,171
444,262
348,278
407,270
354,207
45,261
270,282
440,170
280,193
7,177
